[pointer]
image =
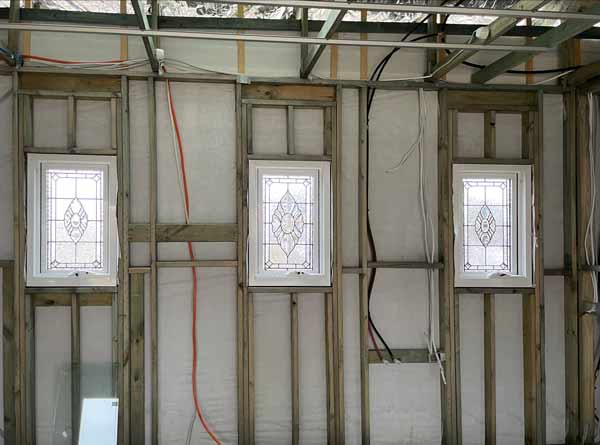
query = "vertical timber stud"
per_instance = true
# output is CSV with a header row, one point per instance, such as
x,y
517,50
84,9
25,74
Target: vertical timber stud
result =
x,y
449,395
363,249
249,314
75,368
30,367
124,41
571,265
295,369
137,358
364,51
121,124
153,258
241,254
489,312
533,304
241,46
8,351
336,145
585,287
294,314
22,419
538,174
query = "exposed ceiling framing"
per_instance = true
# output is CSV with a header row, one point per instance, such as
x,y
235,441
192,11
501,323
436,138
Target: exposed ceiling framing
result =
x,y
148,41
497,28
267,25
551,39
329,28
105,30
424,9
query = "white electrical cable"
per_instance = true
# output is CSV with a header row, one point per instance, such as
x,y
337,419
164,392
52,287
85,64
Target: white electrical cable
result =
x,y
429,246
550,79
589,242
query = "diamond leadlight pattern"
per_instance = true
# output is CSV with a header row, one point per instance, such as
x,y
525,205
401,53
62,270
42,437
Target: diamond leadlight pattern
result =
x,y
487,227
74,225
288,209
75,220
287,223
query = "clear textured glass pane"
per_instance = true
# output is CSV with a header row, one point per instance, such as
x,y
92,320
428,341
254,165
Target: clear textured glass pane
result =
x,y
74,209
288,218
487,240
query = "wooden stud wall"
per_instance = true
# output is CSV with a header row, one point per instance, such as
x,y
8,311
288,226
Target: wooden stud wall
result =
x,y
290,97
20,302
529,106
489,311
586,317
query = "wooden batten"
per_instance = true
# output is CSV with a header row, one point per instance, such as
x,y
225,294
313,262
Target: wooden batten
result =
x,y
288,92
184,232
70,82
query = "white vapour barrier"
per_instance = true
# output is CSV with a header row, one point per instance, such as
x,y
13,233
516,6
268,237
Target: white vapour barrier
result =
x,y
405,405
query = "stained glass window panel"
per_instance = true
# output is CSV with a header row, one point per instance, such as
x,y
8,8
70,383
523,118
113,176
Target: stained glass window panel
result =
x,y
74,210
288,218
487,226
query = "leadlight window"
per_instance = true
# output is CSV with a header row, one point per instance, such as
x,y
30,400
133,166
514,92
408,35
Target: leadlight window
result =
x,y
289,207
492,210
71,220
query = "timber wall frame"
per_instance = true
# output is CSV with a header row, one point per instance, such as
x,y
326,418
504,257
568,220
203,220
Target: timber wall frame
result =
x,y
127,300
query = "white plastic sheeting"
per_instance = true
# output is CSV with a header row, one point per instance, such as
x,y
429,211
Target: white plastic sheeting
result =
x,y
405,406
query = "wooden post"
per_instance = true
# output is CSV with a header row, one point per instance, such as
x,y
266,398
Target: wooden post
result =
x,y
533,304
364,51
489,312
571,314
447,298
9,350
363,252
124,41
22,417
587,320
295,369
75,368
338,298
123,162
241,46
153,258
137,418
27,34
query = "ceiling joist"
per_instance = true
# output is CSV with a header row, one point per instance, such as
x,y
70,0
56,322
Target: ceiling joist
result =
x,y
552,38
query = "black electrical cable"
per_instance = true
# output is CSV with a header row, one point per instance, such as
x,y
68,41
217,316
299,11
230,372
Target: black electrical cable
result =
x,y
376,75
548,71
478,66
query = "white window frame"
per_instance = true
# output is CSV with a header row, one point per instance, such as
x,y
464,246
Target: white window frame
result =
x,y
258,276
37,274
521,274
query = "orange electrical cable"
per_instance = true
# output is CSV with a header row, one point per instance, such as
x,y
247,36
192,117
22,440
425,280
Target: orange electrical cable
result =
x,y
194,275
69,62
